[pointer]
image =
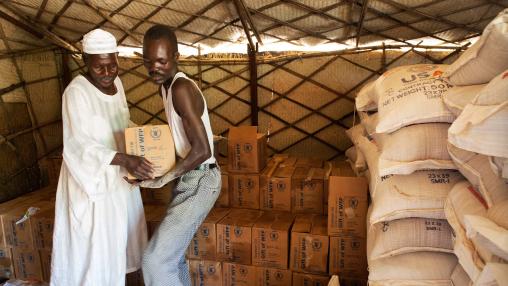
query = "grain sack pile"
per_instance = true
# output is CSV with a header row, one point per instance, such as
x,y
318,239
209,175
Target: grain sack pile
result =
x,y
477,209
409,241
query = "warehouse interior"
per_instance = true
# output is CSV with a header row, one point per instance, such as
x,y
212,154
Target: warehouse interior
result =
x,y
294,69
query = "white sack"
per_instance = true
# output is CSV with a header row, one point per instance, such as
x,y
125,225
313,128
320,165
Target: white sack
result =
x,y
415,147
499,166
356,159
482,127
411,94
421,268
409,235
486,233
498,213
421,194
460,277
364,101
458,97
369,121
486,58
493,274
476,168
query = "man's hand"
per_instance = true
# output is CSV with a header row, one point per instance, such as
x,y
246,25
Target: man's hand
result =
x,y
137,166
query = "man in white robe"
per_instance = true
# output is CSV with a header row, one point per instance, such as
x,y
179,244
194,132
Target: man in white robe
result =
x,y
100,229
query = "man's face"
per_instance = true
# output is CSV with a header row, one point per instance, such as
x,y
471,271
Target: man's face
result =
x,y
159,59
103,69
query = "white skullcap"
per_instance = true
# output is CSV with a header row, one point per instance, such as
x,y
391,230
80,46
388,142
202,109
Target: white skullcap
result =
x,y
99,42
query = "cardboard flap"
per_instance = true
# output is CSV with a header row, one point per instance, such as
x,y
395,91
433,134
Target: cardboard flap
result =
x,y
244,132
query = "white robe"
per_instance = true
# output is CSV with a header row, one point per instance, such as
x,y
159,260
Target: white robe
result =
x,y
100,229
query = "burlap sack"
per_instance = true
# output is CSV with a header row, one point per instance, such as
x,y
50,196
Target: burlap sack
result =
x,y
413,148
486,58
476,168
420,268
409,235
411,94
421,194
458,97
482,125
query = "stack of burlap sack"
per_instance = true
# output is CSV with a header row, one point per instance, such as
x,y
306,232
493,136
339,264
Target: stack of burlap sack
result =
x,y
433,141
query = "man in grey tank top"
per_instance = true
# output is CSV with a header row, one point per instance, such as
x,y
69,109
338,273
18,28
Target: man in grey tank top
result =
x,y
199,179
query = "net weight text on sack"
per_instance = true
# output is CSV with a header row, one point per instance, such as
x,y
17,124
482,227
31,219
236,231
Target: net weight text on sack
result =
x,y
429,88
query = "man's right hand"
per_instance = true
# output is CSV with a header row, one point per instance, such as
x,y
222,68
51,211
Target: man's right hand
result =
x,y
137,166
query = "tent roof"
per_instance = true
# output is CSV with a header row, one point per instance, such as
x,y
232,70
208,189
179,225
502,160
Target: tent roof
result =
x,y
215,25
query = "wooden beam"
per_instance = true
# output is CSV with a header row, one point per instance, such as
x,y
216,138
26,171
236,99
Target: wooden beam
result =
x,y
365,4
155,11
60,13
253,72
28,21
112,21
11,87
417,12
199,13
111,14
241,16
249,20
41,9
66,71
21,25
389,17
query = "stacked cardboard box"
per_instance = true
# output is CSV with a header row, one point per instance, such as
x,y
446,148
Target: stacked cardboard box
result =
x,y
347,214
26,241
277,231
246,159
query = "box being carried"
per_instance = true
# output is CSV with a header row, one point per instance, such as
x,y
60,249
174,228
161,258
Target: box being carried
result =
x,y
155,143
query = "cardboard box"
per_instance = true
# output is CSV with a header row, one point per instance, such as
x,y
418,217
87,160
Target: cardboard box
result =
x,y
158,196
17,235
273,277
204,272
302,279
234,236
153,216
336,169
309,162
238,275
6,267
275,187
204,243
27,264
307,190
347,206
345,281
246,150
45,264
134,279
153,142
244,190
348,256
270,240
309,244
42,225
223,199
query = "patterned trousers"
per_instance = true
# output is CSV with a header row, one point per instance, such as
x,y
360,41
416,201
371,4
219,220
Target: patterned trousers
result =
x,y
164,261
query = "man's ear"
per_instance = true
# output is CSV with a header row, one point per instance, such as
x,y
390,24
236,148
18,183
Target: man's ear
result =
x,y
177,56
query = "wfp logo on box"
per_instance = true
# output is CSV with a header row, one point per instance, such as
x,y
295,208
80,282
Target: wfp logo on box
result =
x,y
205,231
155,132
